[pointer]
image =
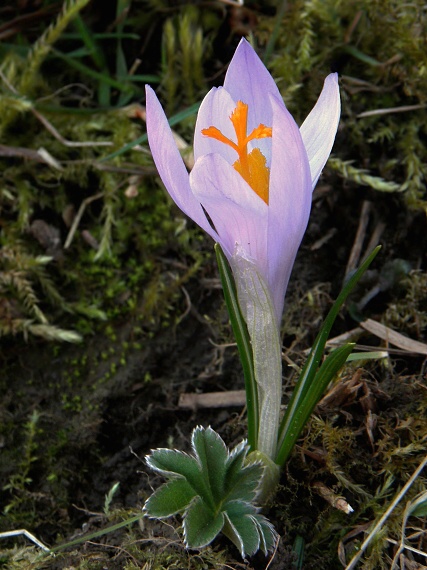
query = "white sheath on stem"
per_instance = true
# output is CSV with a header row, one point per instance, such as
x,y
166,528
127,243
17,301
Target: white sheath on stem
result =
x,y
258,310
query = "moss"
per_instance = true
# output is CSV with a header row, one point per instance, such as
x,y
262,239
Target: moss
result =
x,y
118,282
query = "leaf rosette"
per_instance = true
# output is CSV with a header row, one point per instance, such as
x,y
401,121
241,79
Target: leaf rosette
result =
x,y
215,491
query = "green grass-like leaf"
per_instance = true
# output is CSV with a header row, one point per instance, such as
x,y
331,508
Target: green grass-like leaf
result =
x,y
307,388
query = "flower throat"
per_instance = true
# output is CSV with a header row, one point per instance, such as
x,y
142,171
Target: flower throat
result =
x,y
251,166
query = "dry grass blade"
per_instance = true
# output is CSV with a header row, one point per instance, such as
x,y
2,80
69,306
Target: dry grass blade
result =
x,y
377,527
390,336
27,534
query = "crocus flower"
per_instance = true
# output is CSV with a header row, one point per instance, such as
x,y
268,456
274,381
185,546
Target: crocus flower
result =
x,y
250,189
254,169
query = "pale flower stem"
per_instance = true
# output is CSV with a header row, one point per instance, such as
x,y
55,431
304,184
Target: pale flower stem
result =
x,y
258,310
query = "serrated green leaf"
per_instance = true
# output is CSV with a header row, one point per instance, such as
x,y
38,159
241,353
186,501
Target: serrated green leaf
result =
x,y
171,498
214,490
242,478
171,462
270,476
212,454
243,485
241,528
235,463
267,534
236,458
201,525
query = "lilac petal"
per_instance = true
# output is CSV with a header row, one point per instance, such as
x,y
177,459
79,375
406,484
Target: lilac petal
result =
x,y
289,203
248,80
237,212
170,164
320,127
215,110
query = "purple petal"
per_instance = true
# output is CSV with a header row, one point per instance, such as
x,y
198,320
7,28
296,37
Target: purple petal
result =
x,y
170,164
237,212
248,80
215,110
289,203
320,127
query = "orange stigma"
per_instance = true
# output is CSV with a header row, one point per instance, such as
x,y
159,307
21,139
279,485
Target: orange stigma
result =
x,y
251,166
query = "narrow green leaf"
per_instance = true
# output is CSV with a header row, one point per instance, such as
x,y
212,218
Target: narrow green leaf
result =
x,y
364,356
121,64
103,77
169,499
141,78
212,454
97,55
103,36
201,525
310,368
104,94
241,335
361,56
86,35
80,52
330,367
298,549
96,534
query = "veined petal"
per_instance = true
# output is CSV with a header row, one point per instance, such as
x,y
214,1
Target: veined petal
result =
x,y
215,110
170,165
248,80
290,200
320,127
238,214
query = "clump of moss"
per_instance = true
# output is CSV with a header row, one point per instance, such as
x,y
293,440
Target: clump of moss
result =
x,y
409,313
